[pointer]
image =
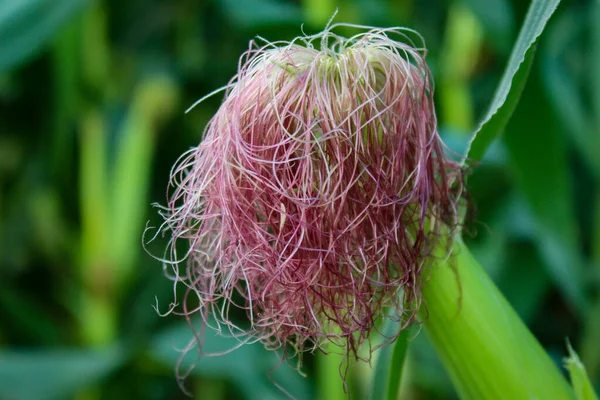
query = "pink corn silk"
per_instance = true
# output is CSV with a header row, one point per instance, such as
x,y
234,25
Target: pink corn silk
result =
x,y
317,194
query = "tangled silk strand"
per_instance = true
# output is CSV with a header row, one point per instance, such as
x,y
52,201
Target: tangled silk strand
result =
x,y
317,194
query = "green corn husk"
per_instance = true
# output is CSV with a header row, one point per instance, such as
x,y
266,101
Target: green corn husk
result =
x,y
487,350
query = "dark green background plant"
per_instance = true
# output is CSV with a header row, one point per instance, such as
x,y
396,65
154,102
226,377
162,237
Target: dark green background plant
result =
x,y
91,119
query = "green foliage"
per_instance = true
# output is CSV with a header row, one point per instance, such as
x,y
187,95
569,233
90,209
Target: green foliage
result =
x,y
513,81
581,382
390,363
26,26
254,13
245,365
92,100
563,87
483,343
497,17
55,374
543,177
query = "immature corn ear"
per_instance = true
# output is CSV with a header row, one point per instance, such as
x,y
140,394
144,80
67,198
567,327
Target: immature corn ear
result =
x,y
487,350
317,194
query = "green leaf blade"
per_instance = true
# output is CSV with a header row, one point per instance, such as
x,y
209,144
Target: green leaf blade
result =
x,y
513,80
562,87
487,350
26,26
539,158
54,374
387,375
579,378
254,370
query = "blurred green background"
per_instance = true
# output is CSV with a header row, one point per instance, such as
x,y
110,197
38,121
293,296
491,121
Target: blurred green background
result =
x,y
92,100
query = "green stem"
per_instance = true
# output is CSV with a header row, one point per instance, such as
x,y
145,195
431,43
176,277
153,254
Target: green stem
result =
x,y
487,350
154,100
95,51
96,315
389,366
318,12
329,381
461,50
